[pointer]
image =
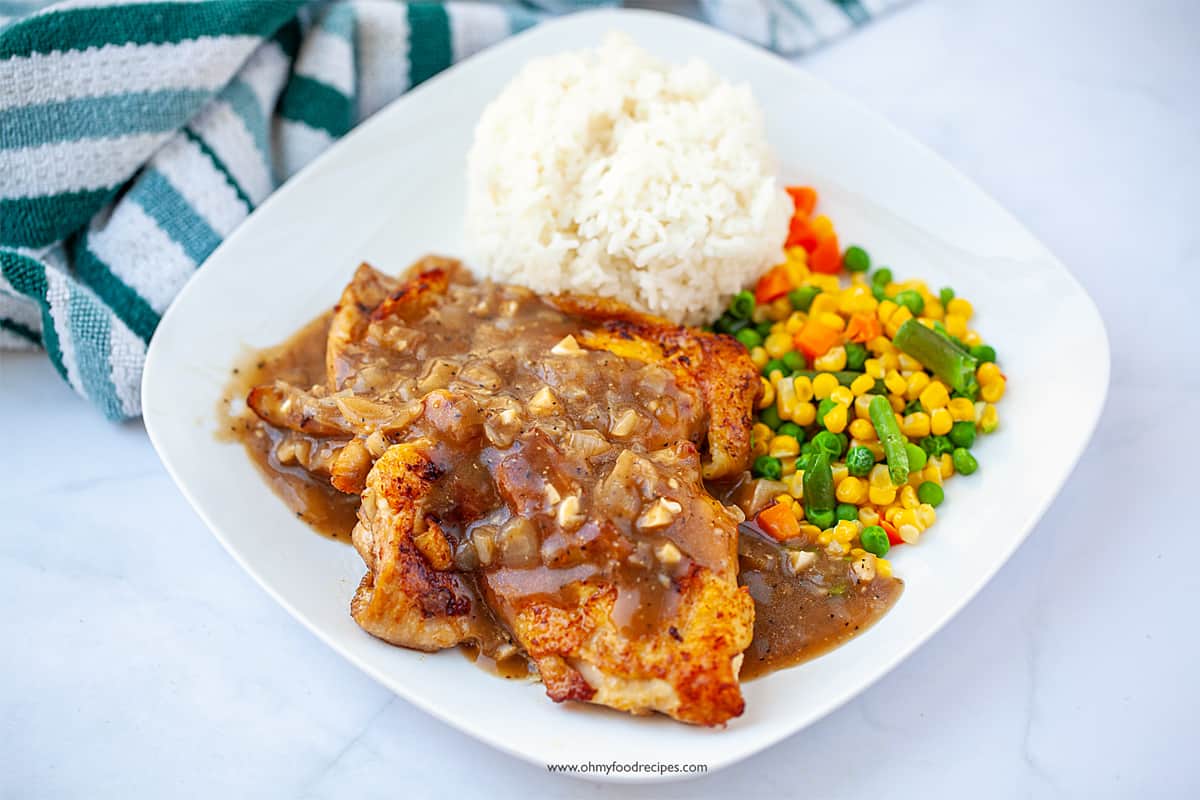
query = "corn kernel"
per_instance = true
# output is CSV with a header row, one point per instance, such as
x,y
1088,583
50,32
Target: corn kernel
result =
x,y
822,226
840,472
926,515
862,407
825,537
916,383
880,477
832,320
933,310
803,387
778,344
768,393
961,307
862,429
852,490
874,368
798,511
865,304
932,472
895,382
795,484
993,391
988,373
835,419
946,465
759,356
885,310
905,516
804,414
915,480
897,402
784,499
842,395
845,531
908,497
883,568
833,360
824,303
875,447
972,338
890,513
785,397
794,322
761,433
861,385
810,532
778,327
934,396
990,419
784,447
915,425
894,322
940,422
961,409
796,254
909,533
781,307
867,515
787,467
910,364
797,272
956,325
824,384
890,363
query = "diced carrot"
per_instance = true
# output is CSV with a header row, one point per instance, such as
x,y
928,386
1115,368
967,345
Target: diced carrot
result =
x,y
815,338
863,328
801,234
804,198
773,285
827,257
893,534
779,522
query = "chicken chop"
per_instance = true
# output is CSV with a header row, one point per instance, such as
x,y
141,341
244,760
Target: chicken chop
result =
x,y
531,472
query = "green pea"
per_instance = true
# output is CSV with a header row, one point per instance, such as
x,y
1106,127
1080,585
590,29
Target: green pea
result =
x,y
946,295
794,361
964,462
881,276
917,457
936,445
856,356
879,292
983,353
859,461
912,299
824,408
846,511
769,416
855,259
742,305
930,492
764,328
749,337
827,442
768,467
802,296
823,518
791,429
962,434
874,540
775,365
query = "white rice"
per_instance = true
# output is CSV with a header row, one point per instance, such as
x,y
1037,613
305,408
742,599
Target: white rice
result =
x,y
609,172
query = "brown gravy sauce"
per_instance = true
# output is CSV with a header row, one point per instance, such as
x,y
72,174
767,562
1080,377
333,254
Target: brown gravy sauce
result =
x,y
797,616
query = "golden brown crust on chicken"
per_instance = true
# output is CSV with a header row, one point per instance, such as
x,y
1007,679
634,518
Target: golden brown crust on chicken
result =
x,y
404,599
688,672
719,365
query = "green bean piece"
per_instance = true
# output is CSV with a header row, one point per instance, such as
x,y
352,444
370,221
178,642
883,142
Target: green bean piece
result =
x,y
818,488
884,420
949,362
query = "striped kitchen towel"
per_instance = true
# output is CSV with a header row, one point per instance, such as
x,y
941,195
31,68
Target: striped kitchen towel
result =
x,y
136,135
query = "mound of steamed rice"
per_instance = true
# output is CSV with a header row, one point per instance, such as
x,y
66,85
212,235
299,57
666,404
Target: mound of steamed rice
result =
x,y
609,172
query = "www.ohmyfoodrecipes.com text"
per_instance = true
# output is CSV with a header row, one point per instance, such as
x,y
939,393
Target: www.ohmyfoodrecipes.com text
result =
x,y
627,768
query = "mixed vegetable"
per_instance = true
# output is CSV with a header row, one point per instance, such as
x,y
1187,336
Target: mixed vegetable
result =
x,y
873,393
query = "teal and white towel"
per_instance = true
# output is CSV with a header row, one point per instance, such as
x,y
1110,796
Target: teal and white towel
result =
x,y
135,136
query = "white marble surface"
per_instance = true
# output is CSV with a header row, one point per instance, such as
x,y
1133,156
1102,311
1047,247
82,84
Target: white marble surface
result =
x,y
138,660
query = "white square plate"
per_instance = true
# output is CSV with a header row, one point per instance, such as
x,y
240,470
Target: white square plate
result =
x,y
394,189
